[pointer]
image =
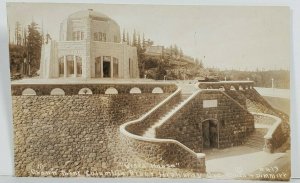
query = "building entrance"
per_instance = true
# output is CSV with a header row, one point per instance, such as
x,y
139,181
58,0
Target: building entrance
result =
x,y
210,134
106,69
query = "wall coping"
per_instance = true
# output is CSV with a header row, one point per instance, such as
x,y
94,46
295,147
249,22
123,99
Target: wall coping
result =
x,y
157,140
72,88
275,125
228,82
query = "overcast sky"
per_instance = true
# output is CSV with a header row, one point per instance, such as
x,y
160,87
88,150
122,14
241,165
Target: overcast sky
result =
x,y
226,37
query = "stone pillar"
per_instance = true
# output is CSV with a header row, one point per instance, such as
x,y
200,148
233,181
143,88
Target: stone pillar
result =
x,y
201,163
75,66
268,147
65,66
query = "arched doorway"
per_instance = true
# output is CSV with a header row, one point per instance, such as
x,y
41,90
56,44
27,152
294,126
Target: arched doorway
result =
x,y
210,134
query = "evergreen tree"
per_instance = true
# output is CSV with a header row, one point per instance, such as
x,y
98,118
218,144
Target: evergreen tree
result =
x,y
180,53
144,42
18,37
128,39
176,51
34,45
134,38
139,45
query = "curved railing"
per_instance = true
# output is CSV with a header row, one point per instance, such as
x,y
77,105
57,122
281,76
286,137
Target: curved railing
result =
x,y
160,151
274,136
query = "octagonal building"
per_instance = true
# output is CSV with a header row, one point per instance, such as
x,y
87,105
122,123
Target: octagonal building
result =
x,y
89,47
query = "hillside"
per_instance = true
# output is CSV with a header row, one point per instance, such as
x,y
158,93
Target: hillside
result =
x,y
172,69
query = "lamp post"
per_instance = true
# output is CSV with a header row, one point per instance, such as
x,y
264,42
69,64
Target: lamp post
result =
x,y
272,82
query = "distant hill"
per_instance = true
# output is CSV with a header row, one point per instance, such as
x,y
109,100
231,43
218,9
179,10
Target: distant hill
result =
x,y
281,78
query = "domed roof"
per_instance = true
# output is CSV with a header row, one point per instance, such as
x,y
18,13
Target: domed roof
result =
x,y
89,14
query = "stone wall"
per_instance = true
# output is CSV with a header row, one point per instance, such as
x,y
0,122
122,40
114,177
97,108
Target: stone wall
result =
x,y
274,137
164,152
160,152
234,122
75,133
256,103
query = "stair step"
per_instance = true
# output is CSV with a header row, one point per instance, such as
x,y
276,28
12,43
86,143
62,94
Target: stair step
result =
x,y
150,132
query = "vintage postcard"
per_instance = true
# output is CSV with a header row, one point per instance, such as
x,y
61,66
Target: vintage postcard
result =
x,y
166,91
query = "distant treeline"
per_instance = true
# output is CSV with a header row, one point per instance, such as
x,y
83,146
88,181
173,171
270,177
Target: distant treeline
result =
x,y
281,78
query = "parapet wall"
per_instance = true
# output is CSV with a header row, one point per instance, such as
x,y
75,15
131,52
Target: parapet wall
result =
x,y
227,85
74,89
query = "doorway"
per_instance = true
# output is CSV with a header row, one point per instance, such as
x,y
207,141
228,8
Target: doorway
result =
x,y
210,134
106,69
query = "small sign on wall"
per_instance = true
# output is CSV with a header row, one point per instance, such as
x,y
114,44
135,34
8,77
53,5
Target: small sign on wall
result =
x,y
210,103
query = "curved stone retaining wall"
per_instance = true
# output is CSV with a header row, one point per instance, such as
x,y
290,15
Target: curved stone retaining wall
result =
x,y
160,151
274,137
164,152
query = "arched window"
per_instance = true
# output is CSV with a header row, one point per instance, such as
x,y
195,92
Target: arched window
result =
x,y
111,90
135,90
57,91
85,91
28,91
61,66
79,65
115,67
157,90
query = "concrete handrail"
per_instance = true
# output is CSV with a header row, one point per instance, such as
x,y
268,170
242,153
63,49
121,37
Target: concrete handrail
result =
x,y
274,126
123,129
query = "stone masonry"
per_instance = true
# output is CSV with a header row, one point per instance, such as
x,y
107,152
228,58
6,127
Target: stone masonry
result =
x,y
74,133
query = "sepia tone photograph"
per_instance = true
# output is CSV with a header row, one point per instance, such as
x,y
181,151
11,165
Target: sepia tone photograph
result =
x,y
150,91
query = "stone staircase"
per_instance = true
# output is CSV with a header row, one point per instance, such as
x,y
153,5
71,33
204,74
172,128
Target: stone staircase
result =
x,y
256,139
186,91
150,132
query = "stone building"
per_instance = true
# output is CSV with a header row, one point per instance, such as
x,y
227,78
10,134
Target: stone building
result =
x,y
89,47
